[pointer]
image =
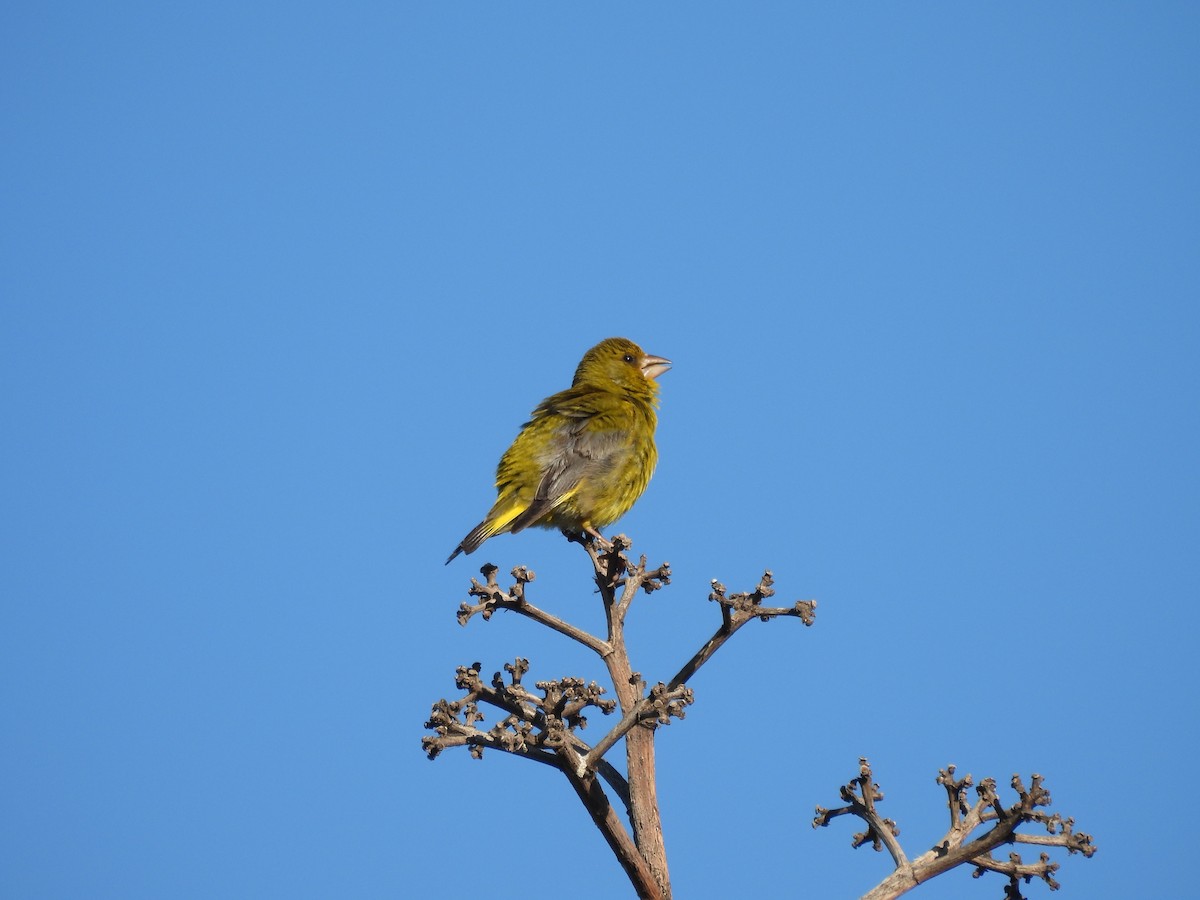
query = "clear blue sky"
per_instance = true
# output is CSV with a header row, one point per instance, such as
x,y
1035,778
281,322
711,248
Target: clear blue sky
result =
x,y
281,281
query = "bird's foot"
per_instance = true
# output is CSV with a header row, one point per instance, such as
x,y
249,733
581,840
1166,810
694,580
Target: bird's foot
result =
x,y
576,537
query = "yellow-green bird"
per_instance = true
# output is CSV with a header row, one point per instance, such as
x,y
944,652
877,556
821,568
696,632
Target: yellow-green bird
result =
x,y
586,454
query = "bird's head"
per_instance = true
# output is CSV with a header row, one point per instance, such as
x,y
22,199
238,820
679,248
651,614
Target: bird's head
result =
x,y
622,362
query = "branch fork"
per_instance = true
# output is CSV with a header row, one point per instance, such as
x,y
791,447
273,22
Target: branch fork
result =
x,y
956,847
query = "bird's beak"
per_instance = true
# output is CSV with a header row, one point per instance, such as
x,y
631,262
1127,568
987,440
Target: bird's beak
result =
x,y
653,366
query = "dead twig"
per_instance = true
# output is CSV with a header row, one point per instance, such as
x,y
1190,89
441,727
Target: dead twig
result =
x,y
957,847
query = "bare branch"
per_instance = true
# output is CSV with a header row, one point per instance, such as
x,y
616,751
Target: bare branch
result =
x,y
628,854
493,597
659,707
613,570
736,611
531,722
861,793
956,848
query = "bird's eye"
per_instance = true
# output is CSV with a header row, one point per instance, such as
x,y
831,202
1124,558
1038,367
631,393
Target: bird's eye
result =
x,y
629,357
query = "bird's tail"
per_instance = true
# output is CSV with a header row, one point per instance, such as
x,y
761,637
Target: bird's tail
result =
x,y
477,536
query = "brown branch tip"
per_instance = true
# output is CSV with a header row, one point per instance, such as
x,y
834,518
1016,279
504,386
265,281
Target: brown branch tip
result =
x,y
743,606
492,596
861,794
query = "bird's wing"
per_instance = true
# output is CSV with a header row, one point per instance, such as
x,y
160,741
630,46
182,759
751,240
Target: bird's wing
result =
x,y
585,446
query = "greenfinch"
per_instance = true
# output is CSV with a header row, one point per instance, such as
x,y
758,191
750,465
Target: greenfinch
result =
x,y
586,454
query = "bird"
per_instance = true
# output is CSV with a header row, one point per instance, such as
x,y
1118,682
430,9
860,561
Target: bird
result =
x,y
585,455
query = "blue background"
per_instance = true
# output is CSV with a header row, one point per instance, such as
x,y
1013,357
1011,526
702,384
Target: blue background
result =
x,y
281,281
